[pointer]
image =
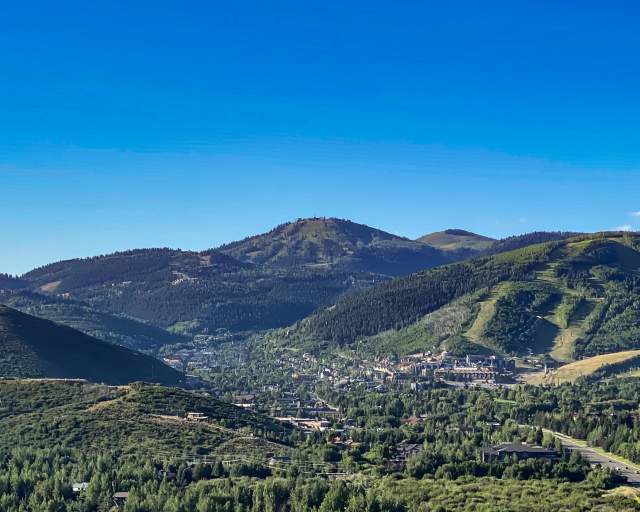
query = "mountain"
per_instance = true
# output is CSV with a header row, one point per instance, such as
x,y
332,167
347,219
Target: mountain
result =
x,y
263,282
36,348
457,241
331,242
195,293
567,298
266,281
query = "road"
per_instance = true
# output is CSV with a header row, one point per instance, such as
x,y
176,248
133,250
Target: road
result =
x,y
628,471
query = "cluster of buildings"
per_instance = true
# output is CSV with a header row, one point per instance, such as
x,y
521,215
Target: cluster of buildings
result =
x,y
444,367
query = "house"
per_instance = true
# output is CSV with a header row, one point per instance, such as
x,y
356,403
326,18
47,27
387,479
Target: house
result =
x,y
520,450
79,487
196,416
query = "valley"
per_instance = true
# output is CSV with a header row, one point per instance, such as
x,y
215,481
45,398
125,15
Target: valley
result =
x,y
384,381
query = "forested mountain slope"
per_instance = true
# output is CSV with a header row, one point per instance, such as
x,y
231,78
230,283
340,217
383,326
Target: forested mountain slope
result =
x,y
35,348
193,293
566,298
8,282
284,276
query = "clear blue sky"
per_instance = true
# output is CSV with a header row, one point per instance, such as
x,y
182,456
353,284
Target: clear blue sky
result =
x,y
189,124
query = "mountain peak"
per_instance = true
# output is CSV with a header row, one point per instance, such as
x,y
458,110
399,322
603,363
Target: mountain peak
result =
x,y
309,241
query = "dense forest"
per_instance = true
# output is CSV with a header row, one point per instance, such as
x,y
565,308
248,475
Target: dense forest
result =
x,y
118,329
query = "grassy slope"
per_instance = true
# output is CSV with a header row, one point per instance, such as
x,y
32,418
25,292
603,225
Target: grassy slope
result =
x,y
552,335
564,342
32,347
427,333
487,309
583,368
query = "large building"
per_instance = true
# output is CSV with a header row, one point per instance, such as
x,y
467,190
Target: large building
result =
x,y
520,450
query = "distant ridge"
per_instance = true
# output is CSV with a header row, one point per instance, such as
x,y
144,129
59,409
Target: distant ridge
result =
x,y
8,282
34,348
458,240
512,243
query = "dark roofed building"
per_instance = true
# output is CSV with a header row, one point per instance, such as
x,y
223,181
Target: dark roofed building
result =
x,y
520,450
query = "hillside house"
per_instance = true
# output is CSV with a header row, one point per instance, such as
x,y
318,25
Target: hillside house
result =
x,y
196,416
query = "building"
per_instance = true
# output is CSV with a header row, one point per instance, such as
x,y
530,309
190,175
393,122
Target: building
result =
x,y
520,450
79,487
196,416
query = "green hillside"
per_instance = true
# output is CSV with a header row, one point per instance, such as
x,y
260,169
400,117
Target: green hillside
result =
x,y
139,419
512,243
579,297
36,348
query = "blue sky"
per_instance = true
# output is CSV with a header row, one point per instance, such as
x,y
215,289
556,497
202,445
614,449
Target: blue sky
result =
x,y
138,124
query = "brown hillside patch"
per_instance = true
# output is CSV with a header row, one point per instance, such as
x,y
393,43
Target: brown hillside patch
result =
x,y
50,287
571,372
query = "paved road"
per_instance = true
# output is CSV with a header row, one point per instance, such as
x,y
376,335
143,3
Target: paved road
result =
x,y
630,472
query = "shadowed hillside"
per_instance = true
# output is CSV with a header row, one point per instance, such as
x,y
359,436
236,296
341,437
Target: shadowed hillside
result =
x,y
78,315
36,348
